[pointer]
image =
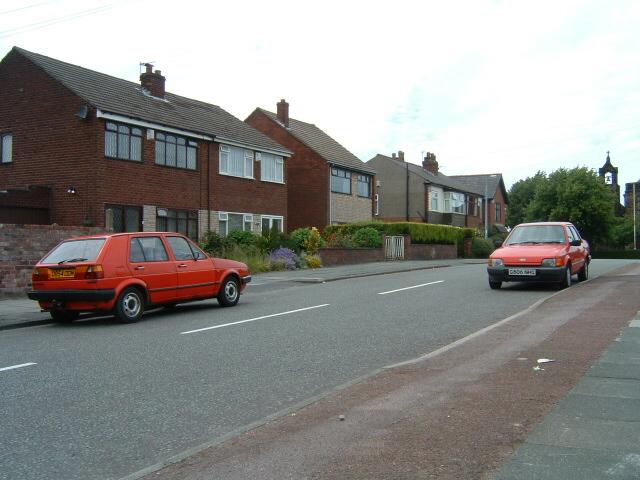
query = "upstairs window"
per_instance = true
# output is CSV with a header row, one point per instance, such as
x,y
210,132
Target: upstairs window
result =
x,y
6,148
236,161
340,181
364,186
174,151
271,167
123,142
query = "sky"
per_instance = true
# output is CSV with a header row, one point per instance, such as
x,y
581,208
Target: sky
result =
x,y
511,87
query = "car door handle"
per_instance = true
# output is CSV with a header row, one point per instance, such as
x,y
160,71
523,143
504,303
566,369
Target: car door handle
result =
x,y
182,265
139,267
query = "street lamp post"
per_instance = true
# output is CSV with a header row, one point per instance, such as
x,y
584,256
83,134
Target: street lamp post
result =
x,y
635,238
486,205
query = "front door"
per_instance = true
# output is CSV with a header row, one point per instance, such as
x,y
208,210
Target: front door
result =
x,y
196,276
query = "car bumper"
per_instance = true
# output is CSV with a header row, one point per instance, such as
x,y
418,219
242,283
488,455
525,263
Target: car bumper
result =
x,y
101,295
246,279
542,274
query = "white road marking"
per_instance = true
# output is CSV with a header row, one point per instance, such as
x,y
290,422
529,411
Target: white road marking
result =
x,y
17,366
409,288
254,319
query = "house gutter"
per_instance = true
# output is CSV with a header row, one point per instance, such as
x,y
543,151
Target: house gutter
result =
x,y
407,191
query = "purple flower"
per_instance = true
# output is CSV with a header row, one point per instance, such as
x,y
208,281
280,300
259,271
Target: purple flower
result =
x,y
286,257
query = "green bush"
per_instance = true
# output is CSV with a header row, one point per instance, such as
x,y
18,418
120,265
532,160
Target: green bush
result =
x,y
306,240
425,233
214,244
313,261
367,237
251,255
243,238
621,254
272,239
481,247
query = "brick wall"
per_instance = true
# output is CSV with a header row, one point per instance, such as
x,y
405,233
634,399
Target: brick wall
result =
x,y
22,246
306,174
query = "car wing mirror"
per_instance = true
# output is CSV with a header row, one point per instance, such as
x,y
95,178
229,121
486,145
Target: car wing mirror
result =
x,y
576,243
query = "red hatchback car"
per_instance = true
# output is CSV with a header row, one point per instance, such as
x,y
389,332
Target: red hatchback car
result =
x,y
125,273
540,252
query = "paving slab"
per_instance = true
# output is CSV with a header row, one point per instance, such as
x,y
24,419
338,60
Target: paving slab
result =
x,y
608,387
599,407
543,462
614,370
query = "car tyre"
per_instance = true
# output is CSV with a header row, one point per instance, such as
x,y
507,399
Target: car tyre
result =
x,y
229,292
584,273
566,281
130,305
64,316
495,285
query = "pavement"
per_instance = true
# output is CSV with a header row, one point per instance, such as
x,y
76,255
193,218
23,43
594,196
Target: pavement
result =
x,y
593,432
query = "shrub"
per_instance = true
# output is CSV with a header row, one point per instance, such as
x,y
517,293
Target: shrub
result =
x,y
419,232
243,238
285,257
481,247
250,255
306,240
313,261
272,239
213,243
367,237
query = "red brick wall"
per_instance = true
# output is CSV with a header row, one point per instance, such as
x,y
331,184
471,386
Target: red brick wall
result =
x,y
498,198
307,176
234,194
21,246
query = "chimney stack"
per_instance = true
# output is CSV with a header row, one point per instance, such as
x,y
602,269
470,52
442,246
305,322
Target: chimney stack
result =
x,y
430,164
401,155
283,112
153,82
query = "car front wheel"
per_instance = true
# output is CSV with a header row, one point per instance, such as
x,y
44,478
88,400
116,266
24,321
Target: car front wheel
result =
x,y
566,281
229,292
494,285
584,273
130,305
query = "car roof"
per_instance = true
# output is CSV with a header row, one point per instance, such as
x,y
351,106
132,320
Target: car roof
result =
x,y
121,234
543,223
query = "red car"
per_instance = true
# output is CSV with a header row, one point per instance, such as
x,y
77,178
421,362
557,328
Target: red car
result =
x,y
540,252
125,273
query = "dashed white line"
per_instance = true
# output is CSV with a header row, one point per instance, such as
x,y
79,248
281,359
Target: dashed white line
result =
x,y
254,319
13,367
409,288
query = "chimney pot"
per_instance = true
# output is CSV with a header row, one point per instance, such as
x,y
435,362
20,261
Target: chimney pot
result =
x,y
283,112
430,164
401,155
393,155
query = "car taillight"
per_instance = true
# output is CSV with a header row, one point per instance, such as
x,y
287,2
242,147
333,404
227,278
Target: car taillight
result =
x,y
39,274
89,272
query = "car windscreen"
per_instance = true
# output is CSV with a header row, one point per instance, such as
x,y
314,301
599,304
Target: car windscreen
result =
x,y
536,234
75,251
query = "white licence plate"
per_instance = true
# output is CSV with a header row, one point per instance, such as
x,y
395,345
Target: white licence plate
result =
x,y
529,272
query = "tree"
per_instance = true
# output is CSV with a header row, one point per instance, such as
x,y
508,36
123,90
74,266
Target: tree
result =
x,y
521,195
578,195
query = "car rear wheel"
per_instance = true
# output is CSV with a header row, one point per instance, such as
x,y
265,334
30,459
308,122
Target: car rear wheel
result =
x,y
495,285
229,292
566,281
130,305
584,273
64,316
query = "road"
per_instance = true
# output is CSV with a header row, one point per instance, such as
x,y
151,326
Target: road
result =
x,y
96,399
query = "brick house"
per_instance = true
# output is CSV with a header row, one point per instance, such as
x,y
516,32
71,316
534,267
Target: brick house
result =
x,y
490,186
327,183
415,193
83,148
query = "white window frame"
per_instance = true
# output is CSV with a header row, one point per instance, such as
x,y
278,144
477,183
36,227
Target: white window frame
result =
x,y
6,152
247,163
447,202
433,204
247,221
275,162
271,218
463,205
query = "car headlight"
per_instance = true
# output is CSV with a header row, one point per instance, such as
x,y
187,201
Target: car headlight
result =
x,y
496,262
552,262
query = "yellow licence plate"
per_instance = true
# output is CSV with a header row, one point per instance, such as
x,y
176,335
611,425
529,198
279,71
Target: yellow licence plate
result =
x,y
62,273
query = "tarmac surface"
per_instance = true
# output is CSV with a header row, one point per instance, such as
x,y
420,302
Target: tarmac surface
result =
x,y
452,414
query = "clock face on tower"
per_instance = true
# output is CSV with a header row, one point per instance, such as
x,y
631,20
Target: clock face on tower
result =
x,y
608,178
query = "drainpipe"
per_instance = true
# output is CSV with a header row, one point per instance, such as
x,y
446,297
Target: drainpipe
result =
x,y
329,194
208,186
407,190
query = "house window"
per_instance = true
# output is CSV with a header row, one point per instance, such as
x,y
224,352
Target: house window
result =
x,y
270,222
123,142
271,167
457,203
123,218
180,221
434,200
498,213
340,181
174,151
447,202
364,186
228,222
6,148
236,161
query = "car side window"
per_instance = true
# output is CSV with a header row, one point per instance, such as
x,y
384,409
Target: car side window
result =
x,y
180,247
147,249
576,234
572,234
197,253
